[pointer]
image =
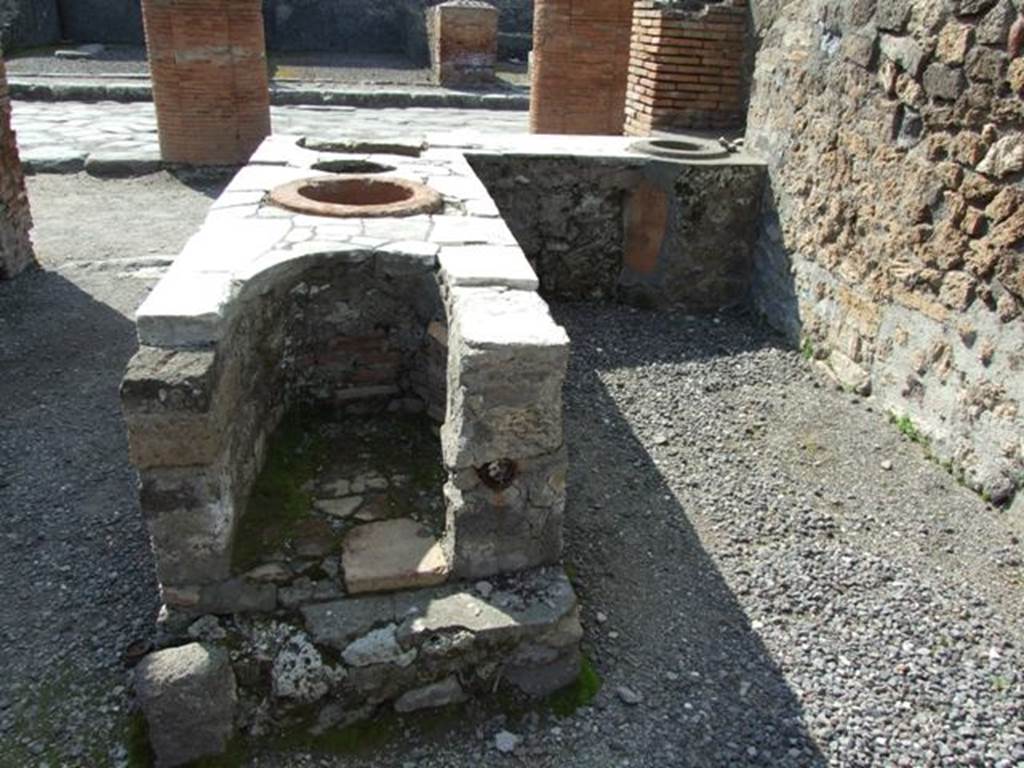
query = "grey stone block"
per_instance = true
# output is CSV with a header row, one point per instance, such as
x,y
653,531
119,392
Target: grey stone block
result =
x,y
337,623
440,694
52,160
120,163
188,697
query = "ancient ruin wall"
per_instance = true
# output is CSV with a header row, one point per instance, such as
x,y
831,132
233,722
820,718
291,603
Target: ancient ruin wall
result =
x,y
891,241
15,219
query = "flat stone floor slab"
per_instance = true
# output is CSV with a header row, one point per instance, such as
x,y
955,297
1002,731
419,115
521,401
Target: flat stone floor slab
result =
x,y
390,555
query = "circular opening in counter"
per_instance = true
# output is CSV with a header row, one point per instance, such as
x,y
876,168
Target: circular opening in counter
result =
x,y
352,166
357,197
681,149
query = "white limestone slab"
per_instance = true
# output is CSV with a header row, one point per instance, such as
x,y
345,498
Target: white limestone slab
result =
x,y
493,317
487,265
185,310
470,230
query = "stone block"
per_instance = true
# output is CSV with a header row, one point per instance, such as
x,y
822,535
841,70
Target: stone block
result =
x,y
533,603
237,596
994,27
487,265
506,365
942,82
893,15
190,521
338,623
188,697
904,51
392,554
515,526
440,694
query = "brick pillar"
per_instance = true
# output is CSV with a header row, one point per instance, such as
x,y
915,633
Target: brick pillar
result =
x,y
15,219
686,67
209,69
463,37
580,61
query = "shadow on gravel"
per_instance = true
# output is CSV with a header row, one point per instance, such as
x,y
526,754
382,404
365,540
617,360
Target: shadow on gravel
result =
x,y
209,182
76,576
713,693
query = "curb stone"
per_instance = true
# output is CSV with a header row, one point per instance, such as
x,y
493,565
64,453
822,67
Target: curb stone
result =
x,y
26,89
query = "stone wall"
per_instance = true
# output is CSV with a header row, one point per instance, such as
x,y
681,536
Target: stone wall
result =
x,y
580,58
686,66
654,233
15,219
102,21
891,241
381,26
27,23
210,88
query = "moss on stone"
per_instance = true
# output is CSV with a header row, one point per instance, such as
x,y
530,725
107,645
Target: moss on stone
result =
x,y
136,741
280,498
579,693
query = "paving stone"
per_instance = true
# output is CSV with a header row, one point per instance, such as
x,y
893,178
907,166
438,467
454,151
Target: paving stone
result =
x,y
340,508
394,554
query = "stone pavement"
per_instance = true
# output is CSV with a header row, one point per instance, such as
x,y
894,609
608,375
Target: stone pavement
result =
x,y
62,137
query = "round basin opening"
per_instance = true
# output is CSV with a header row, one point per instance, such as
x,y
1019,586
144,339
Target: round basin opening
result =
x,y
363,146
352,166
357,197
356,192
681,149
675,145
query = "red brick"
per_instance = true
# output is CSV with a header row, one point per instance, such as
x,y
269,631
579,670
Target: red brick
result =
x,y
209,71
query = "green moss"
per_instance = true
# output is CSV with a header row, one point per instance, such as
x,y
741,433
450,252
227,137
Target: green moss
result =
x,y
279,502
807,349
359,738
136,739
236,755
579,694
908,429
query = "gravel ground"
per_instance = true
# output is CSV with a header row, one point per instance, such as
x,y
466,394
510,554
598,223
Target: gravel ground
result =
x,y
316,66
771,575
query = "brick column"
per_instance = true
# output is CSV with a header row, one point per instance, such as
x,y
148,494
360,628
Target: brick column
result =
x,y
463,37
686,67
580,60
15,220
209,69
